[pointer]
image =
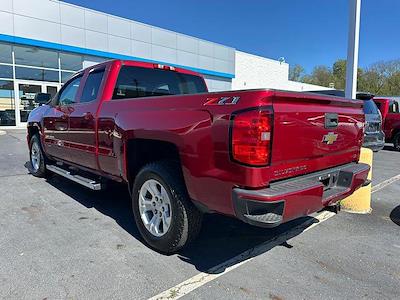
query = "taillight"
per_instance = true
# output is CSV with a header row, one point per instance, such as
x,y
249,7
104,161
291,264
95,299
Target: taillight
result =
x,y
251,134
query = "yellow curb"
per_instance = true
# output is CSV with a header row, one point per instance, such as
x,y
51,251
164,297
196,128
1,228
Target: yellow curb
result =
x,y
360,201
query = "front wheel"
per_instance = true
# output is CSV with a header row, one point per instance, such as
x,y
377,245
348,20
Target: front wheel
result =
x,y
164,214
36,156
396,141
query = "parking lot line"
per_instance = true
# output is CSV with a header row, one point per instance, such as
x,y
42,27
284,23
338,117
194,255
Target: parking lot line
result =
x,y
202,278
385,183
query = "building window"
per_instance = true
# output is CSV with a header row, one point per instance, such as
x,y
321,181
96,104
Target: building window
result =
x,y
6,71
36,74
7,103
5,53
65,76
33,56
70,61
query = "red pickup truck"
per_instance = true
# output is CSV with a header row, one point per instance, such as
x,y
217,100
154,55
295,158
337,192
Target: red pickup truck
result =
x,y
390,110
263,156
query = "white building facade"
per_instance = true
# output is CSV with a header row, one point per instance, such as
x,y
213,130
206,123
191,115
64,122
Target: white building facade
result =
x,y
43,42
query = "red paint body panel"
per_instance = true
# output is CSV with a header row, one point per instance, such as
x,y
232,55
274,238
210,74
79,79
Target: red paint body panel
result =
x,y
390,120
200,129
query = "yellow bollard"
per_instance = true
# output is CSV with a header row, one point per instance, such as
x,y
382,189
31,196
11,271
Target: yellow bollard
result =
x,y
360,200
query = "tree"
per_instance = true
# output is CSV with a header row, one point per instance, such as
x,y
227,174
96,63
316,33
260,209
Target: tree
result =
x,y
321,75
381,78
339,74
296,72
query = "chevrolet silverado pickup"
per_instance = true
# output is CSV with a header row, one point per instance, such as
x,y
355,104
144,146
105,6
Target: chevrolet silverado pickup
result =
x,y
262,156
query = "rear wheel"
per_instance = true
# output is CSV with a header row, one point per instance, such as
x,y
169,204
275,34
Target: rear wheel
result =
x,y
164,214
396,141
38,165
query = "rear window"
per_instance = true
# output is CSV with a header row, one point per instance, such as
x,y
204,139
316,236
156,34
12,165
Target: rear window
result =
x,y
370,107
134,82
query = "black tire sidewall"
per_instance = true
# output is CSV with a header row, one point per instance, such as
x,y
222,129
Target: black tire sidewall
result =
x,y
41,171
171,239
396,141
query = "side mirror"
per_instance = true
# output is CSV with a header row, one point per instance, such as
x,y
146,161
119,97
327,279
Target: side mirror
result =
x,y
42,98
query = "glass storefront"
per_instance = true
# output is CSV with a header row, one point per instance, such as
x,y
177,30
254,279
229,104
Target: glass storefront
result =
x,y
7,103
26,71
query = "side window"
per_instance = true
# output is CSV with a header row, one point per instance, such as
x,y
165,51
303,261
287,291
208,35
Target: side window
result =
x,y
394,107
92,86
68,93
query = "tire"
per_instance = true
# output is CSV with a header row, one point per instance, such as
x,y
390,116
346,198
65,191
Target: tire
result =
x,y
181,218
36,157
396,141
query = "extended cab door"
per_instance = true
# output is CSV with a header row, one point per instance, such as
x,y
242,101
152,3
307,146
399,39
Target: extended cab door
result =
x,y
56,120
82,135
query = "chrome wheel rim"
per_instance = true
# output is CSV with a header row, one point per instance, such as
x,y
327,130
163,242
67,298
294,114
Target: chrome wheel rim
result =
x,y
155,207
35,156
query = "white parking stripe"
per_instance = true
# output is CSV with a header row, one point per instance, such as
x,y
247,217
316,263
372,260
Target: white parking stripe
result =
x,y
201,279
385,183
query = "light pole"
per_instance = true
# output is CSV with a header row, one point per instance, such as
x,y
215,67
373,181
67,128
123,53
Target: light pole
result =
x,y
352,48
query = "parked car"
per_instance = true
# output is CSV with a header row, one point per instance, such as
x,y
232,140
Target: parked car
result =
x,y
7,118
390,110
374,136
262,156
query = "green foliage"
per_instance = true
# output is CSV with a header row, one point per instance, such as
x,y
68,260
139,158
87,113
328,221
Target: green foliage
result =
x,y
381,78
296,72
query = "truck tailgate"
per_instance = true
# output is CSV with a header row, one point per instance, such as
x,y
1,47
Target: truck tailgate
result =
x,y
309,127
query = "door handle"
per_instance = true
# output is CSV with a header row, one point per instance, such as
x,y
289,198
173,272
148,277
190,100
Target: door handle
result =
x,y
88,116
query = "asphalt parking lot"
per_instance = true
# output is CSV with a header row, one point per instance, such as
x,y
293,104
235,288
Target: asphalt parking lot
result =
x,y
61,241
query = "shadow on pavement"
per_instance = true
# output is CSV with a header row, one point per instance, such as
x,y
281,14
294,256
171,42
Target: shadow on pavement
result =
x,y
389,148
395,215
221,238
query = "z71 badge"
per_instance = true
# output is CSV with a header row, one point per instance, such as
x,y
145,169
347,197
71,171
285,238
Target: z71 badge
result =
x,y
222,100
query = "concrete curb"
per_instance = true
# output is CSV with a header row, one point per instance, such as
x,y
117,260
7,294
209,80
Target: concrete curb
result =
x,y
2,132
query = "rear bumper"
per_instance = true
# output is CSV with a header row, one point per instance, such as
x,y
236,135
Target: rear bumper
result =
x,y
293,198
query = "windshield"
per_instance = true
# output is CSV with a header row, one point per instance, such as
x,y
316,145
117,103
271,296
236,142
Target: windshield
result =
x,y
370,107
134,82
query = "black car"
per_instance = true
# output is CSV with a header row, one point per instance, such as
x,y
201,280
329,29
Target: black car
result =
x,y
7,118
374,137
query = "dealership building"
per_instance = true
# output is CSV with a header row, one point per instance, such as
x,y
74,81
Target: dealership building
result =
x,y
43,42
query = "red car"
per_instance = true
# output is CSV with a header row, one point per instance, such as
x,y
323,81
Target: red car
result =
x,y
263,156
390,110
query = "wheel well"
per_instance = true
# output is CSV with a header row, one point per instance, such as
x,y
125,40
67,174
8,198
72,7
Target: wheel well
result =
x,y
140,152
395,131
32,130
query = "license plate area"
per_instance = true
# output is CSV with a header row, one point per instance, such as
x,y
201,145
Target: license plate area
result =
x,y
329,180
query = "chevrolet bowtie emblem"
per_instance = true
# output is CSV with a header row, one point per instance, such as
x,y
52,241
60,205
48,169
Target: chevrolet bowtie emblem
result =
x,y
329,138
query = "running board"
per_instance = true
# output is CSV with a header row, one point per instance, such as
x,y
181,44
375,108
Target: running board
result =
x,y
87,182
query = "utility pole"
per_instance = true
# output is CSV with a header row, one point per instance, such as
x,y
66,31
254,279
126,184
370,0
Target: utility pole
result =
x,y
352,48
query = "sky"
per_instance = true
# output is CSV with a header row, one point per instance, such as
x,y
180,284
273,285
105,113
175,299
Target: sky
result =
x,y
305,32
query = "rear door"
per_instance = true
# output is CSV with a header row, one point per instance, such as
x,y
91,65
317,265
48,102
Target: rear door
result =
x,y
82,137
